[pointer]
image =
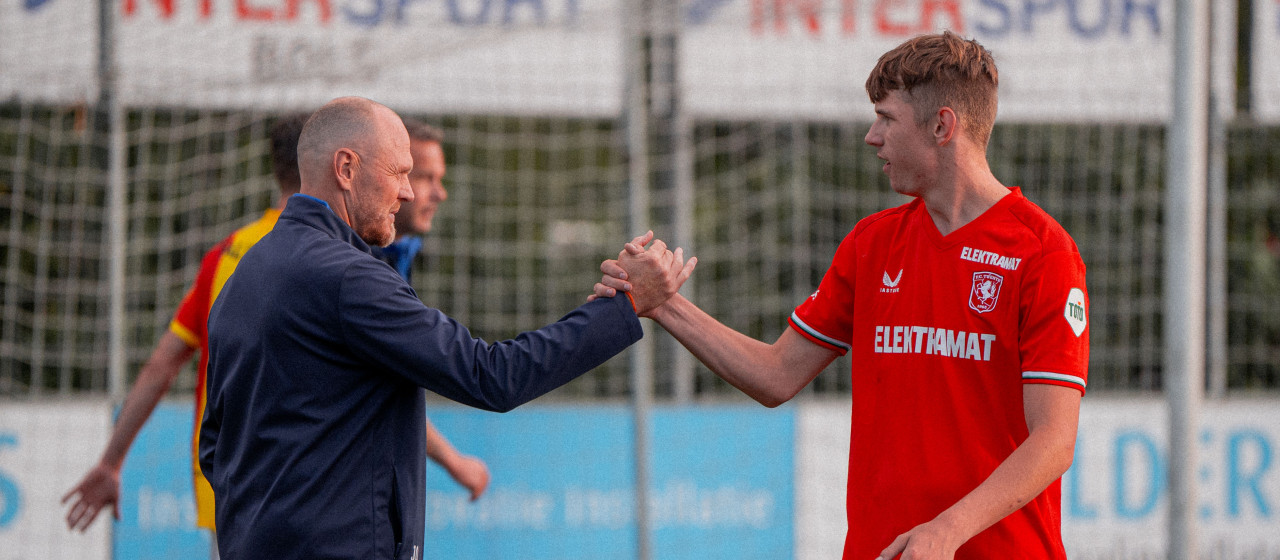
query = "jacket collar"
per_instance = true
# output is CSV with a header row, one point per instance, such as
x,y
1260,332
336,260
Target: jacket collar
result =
x,y
316,213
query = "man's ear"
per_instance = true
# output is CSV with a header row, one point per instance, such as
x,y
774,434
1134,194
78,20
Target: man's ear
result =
x,y
945,126
345,163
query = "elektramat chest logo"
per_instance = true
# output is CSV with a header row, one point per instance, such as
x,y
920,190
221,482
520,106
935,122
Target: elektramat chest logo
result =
x,y
985,291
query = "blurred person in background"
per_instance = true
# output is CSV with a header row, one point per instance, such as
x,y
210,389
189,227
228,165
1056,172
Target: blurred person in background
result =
x,y
966,314
186,334
416,216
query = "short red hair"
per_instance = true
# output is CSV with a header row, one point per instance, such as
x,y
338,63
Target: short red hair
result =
x,y
942,70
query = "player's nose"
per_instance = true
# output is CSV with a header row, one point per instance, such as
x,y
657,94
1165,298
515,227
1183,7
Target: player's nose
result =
x,y
873,137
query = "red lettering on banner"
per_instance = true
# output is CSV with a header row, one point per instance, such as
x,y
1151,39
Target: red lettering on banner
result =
x,y
250,13
245,10
848,16
884,25
809,11
166,7
291,10
929,11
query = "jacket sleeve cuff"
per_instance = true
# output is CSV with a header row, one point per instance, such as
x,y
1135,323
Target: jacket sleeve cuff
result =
x,y
627,313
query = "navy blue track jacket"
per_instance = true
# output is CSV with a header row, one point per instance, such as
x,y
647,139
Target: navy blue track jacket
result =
x,y
313,436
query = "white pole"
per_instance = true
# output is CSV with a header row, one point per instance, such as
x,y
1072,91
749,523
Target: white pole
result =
x,y
1221,110
1184,274
117,185
641,355
682,177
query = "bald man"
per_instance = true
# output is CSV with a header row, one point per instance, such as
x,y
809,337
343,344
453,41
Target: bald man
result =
x,y
312,437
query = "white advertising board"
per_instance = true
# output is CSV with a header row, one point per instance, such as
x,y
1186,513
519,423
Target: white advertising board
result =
x,y
1094,60
822,469
44,450
49,51
490,56
1085,60
1115,497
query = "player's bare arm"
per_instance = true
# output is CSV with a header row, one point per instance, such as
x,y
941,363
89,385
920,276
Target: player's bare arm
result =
x,y
1052,413
101,485
469,472
769,373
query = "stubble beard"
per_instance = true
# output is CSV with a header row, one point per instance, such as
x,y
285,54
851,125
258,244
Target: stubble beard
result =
x,y
380,237
378,232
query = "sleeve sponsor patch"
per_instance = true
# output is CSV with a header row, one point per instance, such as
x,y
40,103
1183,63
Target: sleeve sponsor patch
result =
x,y
1075,312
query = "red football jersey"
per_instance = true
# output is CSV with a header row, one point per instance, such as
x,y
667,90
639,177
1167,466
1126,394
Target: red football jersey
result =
x,y
944,332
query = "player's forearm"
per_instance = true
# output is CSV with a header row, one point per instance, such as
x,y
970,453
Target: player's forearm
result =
x,y
439,449
152,384
1042,458
744,362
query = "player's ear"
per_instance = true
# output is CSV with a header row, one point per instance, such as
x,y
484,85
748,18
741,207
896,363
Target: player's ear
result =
x,y
345,163
945,125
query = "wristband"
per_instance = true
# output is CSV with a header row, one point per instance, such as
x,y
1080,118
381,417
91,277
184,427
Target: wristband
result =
x,y
633,303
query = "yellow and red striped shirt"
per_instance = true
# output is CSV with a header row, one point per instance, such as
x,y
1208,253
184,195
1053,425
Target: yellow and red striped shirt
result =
x,y
190,323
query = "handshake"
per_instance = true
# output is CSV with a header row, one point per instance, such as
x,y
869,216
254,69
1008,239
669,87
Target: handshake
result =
x,y
648,276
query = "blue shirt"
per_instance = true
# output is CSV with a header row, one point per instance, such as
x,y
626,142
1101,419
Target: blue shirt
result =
x,y
399,254
313,437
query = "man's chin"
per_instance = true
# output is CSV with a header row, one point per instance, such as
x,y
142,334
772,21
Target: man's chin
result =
x,y
380,238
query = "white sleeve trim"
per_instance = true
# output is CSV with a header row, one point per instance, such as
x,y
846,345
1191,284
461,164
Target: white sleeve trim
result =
x,y
1048,375
814,333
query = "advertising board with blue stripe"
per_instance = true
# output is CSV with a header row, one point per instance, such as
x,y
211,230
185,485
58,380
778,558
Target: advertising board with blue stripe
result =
x,y
157,499
563,482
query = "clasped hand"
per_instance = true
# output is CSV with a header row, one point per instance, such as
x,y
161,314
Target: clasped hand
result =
x,y
650,275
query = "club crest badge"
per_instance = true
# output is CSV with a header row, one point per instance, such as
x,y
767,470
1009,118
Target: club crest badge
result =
x,y
985,291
